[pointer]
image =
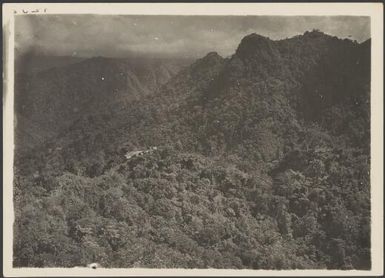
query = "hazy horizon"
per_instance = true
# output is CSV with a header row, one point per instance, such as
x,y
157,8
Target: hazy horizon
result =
x,y
167,36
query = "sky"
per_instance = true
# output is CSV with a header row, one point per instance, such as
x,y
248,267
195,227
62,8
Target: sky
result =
x,y
178,36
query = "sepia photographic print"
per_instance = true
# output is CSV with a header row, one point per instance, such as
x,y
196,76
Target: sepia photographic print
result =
x,y
214,139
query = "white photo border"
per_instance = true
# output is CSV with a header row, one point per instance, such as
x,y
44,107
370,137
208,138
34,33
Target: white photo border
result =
x,y
372,10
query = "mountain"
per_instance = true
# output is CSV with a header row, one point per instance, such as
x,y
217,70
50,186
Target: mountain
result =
x,y
262,161
52,99
30,63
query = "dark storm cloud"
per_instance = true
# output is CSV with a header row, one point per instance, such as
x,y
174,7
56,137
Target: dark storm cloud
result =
x,y
121,35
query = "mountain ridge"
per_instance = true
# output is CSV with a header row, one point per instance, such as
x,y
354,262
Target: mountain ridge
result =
x,y
262,162
63,92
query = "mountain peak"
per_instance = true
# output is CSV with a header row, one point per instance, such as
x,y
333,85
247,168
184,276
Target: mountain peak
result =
x,y
315,33
255,36
255,44
210,60
212,56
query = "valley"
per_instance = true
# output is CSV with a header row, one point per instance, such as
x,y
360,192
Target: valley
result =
x,y
262,159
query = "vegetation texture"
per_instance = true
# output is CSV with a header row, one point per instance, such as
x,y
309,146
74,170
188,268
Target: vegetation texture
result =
x,y
262,160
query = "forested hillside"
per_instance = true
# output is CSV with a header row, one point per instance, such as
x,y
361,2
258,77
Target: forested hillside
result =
x,y
52,97
262,160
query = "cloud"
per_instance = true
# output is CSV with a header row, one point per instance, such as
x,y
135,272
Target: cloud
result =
x,y
194,36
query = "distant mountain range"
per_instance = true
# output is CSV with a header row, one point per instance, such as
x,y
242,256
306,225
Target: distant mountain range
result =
x,y
52,92
265,154
31,63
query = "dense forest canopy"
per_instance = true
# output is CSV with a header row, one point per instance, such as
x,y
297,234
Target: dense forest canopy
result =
x,y
262,159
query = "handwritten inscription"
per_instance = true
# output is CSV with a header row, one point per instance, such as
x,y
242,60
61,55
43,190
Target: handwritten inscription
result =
x,y
30,11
